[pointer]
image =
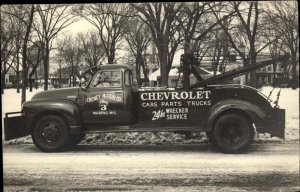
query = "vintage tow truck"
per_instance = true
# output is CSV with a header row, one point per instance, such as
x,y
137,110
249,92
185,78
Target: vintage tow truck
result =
x,y
110,101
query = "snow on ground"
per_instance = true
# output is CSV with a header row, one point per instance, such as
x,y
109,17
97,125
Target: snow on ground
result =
x,y
289,100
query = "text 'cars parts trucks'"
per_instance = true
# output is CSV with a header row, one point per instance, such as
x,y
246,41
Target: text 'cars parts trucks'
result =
x,y
110,101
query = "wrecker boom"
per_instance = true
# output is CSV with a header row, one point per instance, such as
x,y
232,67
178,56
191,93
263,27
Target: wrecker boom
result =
x,y
188,66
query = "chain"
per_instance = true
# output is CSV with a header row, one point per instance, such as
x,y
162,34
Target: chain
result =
x,y
282,78
270,94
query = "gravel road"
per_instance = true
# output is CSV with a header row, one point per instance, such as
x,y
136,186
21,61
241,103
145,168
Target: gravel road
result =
x,y
266,167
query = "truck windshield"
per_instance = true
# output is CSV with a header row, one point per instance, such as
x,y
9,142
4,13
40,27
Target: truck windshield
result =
x,y
88,74
107,79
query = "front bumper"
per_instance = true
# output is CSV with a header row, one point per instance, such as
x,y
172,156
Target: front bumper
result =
x,y
15,126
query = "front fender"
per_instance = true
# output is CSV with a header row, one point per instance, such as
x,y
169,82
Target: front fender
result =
x,y
256,114
69,110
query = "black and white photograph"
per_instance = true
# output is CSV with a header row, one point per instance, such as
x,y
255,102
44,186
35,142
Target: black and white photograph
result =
x,y
150,96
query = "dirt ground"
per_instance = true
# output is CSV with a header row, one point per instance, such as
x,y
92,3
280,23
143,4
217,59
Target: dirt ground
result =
x,y
265,167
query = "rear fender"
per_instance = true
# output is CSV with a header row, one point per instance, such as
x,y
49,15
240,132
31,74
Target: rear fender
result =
x,y
68,110
251,111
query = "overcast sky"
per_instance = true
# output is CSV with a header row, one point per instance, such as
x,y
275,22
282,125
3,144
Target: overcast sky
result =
x,y
83,26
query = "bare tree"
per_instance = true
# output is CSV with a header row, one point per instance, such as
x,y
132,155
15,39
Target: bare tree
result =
x,y
8,29
16,18
18,44
34,59
247,30
70,52
110,19
25,14
176,38
138,38
218,63
283,18
92,48
160,17
24,53
51,20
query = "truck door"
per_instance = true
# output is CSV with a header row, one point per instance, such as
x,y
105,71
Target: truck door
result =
x,y
104,99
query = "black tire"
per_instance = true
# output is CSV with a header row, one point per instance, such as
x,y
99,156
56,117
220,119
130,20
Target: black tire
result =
x,y
51,134
232,133
75,139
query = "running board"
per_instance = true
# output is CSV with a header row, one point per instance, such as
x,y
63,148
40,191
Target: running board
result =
x,y
141,128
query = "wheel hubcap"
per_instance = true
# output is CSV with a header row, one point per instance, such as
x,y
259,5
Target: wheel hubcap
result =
x,y
51,132
232,132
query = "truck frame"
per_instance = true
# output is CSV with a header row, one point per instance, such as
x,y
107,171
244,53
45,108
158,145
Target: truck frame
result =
x,y
111,102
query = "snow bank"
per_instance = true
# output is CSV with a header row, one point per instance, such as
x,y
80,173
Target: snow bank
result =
x,y
289,100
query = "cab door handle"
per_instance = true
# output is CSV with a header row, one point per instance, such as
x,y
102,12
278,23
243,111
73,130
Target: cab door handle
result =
x,y
118,92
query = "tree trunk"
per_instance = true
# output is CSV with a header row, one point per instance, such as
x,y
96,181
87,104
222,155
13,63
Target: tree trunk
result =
x,y
60,75
2,83
24,56
74,80
18,79
46,66
110,59
18,71
253,79
30,84
274,73
163,66
186,74
30,78
72,76
137,69
294,65
145,72
36,83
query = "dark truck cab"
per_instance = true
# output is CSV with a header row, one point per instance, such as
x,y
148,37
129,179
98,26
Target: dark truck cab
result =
x,y
111,102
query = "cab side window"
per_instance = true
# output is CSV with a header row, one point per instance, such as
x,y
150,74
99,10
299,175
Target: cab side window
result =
x,y
107,79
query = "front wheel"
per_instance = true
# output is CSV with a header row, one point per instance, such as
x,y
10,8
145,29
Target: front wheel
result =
x,y
232,133
51,133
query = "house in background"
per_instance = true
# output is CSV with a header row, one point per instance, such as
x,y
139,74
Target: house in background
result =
x,y
268,76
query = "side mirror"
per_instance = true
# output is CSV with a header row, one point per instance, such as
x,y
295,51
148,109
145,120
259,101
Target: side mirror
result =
x,y
82,84
83,87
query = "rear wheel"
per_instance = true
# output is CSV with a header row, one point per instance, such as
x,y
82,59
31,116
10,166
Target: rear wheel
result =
x,y
232,133
50,133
